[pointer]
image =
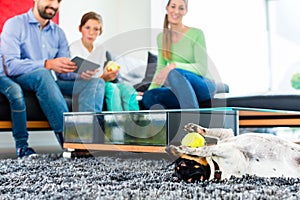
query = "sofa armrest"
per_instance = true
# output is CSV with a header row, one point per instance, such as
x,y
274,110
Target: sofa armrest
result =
x,y
222,88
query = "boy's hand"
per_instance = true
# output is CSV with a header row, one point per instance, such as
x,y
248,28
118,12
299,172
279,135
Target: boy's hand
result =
x,y
109,74
87,75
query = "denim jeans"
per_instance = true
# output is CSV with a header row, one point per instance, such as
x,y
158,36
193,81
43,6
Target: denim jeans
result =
x,y
183,90
50,94
14,94
90,93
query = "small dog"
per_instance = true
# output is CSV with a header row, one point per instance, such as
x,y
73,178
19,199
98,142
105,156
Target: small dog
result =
x,y
263,155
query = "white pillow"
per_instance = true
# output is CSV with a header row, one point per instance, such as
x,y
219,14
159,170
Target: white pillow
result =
x,y
132,69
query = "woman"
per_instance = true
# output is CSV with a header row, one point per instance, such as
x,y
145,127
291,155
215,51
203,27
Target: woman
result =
x,y
118,96
181,79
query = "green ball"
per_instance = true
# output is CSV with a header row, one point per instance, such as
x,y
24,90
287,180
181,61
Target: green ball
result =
x,y
193,140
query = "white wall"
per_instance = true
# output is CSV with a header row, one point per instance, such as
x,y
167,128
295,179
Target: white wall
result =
x,y
118,15
236,41
236,38
285,40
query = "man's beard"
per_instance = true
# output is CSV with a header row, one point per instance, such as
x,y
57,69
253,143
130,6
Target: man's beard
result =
x,y
45,15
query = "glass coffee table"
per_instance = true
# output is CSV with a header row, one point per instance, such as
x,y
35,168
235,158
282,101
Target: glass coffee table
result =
x,y
152,130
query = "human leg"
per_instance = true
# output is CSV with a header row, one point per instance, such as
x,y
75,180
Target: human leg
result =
x,y
112,97
50,98
14,94
92,96
204,88
90,93
190,88
128,96
160,98
182,90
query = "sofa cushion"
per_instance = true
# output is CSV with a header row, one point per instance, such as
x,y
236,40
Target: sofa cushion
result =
x,y
288,102
222,88
150,70
132,69
4,108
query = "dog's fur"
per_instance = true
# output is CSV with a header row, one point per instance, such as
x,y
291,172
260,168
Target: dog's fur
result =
x,y
263,155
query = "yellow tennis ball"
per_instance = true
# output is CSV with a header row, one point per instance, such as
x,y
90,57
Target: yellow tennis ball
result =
x,y
113,66
193,140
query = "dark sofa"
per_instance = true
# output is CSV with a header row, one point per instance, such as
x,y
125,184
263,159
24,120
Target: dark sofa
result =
x,y
35,115
34,111
290,102
37,119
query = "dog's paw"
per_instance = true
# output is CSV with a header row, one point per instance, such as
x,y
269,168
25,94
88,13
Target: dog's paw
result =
x,y
191,127
173,150
178,151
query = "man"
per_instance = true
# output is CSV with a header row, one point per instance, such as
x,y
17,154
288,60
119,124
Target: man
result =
x,y
36,54
14,95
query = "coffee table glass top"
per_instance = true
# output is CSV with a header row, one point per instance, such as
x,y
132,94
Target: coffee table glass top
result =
x,y
144,127
220,109
149,127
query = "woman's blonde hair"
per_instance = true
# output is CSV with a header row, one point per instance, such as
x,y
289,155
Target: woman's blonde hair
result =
x,y
167,36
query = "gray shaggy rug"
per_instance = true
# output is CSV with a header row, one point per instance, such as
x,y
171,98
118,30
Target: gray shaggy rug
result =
x,y
133,176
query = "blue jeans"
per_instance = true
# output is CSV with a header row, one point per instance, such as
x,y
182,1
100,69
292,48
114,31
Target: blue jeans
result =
x,y
50,94
14,94
90,93
183,89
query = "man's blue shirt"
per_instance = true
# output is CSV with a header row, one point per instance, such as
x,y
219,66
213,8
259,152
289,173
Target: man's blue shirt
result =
x,y
25,46
1,65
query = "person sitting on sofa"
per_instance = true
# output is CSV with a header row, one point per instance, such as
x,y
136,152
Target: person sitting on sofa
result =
x,y
181,79
14,94
118,96
37,56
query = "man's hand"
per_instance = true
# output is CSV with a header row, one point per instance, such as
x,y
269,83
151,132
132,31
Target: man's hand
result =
x,y
60,65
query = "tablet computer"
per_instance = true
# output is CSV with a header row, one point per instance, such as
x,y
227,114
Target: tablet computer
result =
x,y
84,65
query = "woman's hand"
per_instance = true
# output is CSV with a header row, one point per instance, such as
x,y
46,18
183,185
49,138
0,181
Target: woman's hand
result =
x,y
161,77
